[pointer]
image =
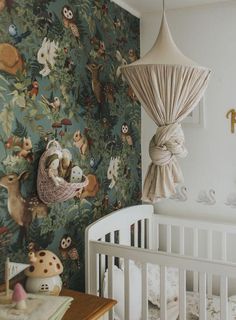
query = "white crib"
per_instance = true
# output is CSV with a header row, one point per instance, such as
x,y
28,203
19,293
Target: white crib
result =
x,y
136,233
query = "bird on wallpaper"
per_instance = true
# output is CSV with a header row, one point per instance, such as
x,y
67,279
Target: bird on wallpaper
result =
x,y
14,33
69,21
94,164
53,103
207,198
33,89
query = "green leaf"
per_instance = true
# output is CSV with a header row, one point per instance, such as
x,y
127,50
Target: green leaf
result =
x,y
20,130
6,119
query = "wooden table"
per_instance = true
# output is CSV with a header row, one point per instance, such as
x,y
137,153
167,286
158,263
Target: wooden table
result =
x,y
86,306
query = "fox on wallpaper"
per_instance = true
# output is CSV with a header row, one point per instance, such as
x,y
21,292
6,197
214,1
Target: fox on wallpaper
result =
x,y
59,79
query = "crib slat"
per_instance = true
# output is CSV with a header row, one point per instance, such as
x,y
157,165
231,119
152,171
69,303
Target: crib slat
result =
x,y
142,234
94,283
125,236
112,237
195,254
181,240
102,267
110,276
182,294
168,238
144,292
127,289
224,246
163,297
136,234
149,227
157,237
209,256
110,283
202,293
223,298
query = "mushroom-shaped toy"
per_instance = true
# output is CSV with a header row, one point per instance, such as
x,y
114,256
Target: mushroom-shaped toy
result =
x,y
43,275
65,123
19,296
56,125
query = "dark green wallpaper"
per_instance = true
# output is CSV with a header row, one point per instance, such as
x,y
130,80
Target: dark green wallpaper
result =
x,y
60,79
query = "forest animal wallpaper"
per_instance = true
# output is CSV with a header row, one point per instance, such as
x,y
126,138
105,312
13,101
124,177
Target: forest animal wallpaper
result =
x,y
60,78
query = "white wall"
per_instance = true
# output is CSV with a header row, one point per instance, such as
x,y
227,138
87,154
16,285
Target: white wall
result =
x,y
207,34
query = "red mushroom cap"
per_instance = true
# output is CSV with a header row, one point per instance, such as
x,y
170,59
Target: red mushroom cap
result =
x,y
56,125
19,293
61,133
66,122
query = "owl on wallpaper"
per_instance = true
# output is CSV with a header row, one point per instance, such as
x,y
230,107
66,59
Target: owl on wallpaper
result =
x,y
69,21
67,249
125,134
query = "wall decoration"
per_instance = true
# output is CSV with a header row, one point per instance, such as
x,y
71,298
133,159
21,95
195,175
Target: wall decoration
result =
x,y
197,117
231,115
207,197
180,195
231,200
60,79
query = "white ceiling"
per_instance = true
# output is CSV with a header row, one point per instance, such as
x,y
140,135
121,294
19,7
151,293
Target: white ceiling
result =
x,y
138,7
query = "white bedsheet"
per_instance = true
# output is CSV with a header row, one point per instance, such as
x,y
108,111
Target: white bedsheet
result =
x,y
192,301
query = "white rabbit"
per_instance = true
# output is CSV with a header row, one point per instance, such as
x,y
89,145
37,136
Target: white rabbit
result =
x,y
122,62
46,56
112,171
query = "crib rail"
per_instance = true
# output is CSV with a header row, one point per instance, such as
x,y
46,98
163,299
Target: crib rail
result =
x,y
164,260
130,226
136,233
222,230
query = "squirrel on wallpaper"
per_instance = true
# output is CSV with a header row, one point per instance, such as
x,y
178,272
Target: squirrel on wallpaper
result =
x,y
22,146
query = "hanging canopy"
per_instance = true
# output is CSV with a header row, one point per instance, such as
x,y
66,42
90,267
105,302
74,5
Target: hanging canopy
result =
x,y
169,86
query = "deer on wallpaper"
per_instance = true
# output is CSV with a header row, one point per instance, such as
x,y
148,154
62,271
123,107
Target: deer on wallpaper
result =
x,y
22,210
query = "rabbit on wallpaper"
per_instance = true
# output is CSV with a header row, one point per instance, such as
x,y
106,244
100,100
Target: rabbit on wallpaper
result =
x,y
47,55
112,171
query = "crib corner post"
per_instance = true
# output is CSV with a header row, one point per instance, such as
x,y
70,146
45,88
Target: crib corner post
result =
x,y
87,262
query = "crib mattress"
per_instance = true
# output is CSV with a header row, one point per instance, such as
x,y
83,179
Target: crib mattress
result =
x,y
192,302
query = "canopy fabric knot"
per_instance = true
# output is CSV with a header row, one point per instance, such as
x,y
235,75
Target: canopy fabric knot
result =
x,y
169,86
167,143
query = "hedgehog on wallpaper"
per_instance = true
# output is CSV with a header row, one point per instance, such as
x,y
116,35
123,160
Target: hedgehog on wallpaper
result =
x,y
69,21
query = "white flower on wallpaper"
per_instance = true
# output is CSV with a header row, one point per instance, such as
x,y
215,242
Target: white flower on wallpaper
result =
x,y
231,200
207,197
180,195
